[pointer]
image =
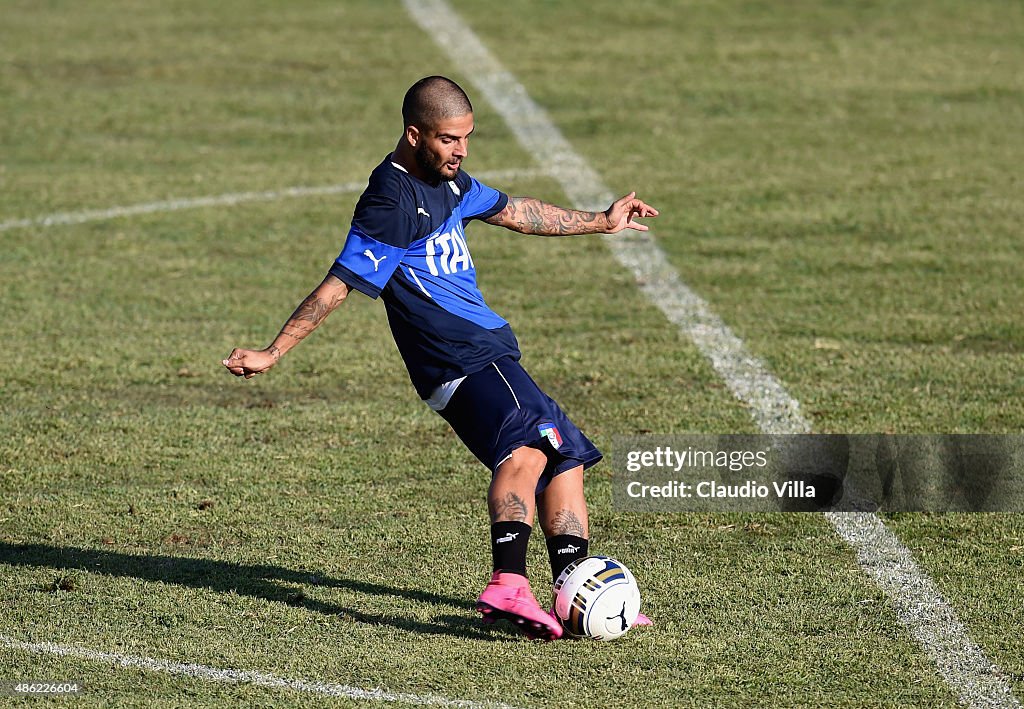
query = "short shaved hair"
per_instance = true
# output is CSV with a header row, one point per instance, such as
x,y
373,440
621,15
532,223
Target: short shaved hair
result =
x,y
433,99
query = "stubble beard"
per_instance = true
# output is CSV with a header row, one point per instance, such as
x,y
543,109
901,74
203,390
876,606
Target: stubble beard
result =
x,y
432,164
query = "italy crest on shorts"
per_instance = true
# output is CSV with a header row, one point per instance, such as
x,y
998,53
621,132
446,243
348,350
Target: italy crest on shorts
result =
x,y
549,431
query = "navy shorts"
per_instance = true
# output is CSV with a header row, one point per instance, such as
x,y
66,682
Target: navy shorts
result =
x,y
500,408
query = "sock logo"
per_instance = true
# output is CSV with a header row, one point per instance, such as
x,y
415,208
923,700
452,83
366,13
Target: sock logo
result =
x,y
622,615
571,549
507,538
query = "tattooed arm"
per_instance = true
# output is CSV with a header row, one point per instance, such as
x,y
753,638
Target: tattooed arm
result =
x,y
306,318
532,216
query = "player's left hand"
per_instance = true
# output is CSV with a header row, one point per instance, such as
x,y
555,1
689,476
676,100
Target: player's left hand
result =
x,y
249,363
624,212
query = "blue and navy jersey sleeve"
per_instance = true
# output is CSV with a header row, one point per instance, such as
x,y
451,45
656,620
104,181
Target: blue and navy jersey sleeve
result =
x,y
380,234
481,201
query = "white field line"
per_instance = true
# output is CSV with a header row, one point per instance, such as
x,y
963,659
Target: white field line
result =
x,y
918,603
223,200
261,679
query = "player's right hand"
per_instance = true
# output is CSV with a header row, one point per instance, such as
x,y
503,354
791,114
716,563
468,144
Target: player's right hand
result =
x,y
624,212
249,363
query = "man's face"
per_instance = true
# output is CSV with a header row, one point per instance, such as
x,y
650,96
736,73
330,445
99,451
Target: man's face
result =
x,y
441,149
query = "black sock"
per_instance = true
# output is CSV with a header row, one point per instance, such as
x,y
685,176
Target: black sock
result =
x,y
563,549
509,541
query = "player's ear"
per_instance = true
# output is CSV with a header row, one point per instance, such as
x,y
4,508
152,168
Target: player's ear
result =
x,y
412,135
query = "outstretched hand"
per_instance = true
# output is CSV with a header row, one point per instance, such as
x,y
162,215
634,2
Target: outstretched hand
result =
x,y
249,363
624,212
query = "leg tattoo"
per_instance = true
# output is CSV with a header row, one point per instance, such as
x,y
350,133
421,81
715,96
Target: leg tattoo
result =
x,y
566,522
510,508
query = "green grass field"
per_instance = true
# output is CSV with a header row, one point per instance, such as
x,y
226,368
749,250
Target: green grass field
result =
x,y
839,180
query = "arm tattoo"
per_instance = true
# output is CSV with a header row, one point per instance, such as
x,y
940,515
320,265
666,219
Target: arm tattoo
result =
x,y
532,216
312,310
566,522
510,508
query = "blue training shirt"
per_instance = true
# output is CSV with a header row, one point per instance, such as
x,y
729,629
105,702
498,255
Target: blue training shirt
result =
x,y
407,245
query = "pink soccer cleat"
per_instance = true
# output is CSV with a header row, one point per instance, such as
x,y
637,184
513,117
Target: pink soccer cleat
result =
x,y
508,596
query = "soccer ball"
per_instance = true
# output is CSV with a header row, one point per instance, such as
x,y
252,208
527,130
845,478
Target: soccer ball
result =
x,y
596,597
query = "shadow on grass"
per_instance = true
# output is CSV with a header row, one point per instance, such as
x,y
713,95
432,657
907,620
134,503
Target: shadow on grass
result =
x,y
258,581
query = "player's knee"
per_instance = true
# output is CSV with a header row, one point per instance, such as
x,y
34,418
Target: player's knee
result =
x,y
524,463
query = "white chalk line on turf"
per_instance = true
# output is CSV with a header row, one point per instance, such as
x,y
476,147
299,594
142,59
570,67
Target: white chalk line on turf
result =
x,y
919,604
223,200
261,679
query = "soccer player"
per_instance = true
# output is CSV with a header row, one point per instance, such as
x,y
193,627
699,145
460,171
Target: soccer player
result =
x,y
407,244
